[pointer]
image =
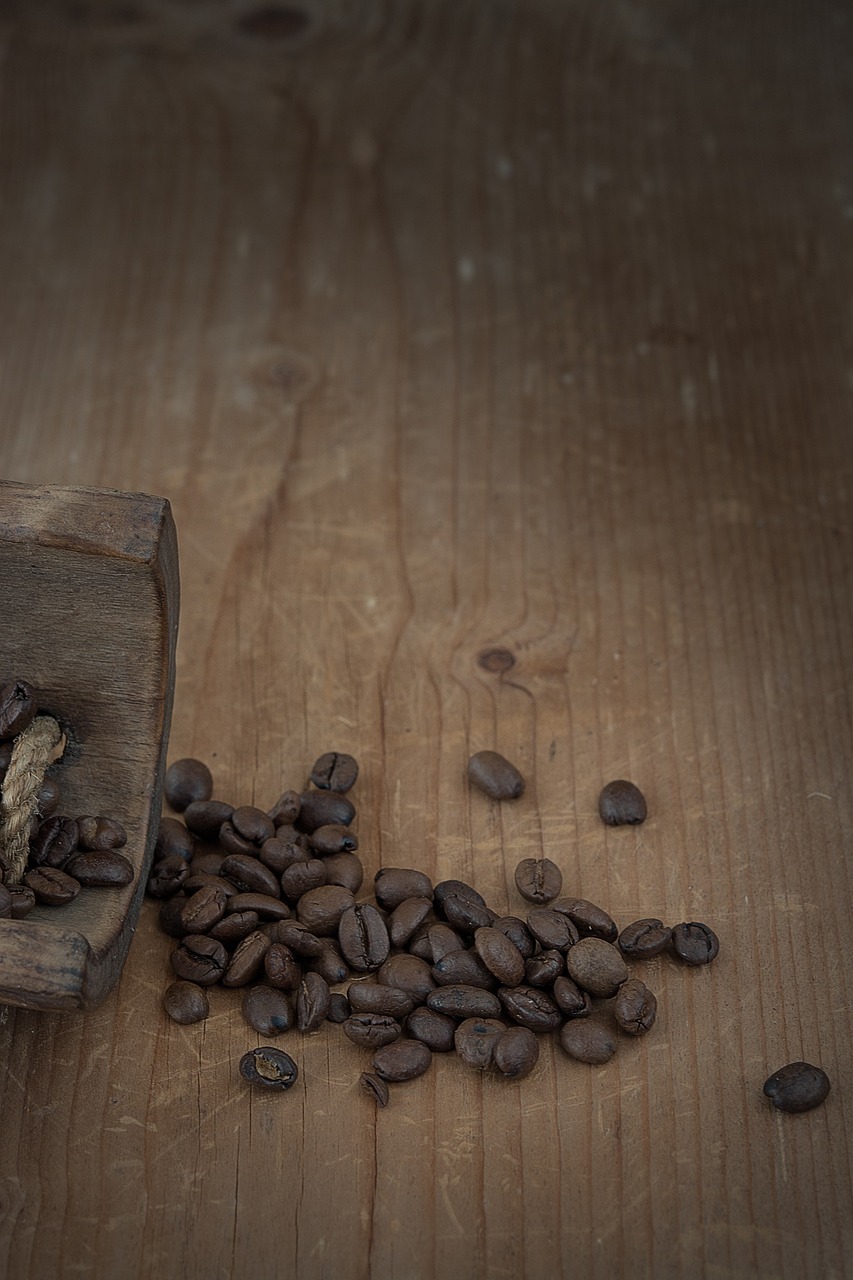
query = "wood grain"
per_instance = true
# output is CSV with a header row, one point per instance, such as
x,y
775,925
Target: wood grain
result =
x,y
446,328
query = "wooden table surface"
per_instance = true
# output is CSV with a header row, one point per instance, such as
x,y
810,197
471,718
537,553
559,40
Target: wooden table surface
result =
x,y
450,327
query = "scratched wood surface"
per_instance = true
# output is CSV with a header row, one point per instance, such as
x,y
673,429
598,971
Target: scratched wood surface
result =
x,y
448,327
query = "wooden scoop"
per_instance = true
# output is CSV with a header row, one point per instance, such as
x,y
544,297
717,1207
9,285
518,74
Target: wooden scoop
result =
x,y
89,616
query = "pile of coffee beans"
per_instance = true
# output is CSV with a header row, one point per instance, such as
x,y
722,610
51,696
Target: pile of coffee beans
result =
x,y
66,854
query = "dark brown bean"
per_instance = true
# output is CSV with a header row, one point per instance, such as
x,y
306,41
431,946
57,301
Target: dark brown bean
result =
x,y
635,1007
538,879
373,997
494,774
572,1002
203,909
267,1011
553,931
402,1060
464,1002
23,900
518,933
285,811
543,970
186,1002
475,1041
695,943
500,956
363,938
621,803
233,842
798,1087
590,920
6,903
587,1040
375,1087
247,960
48,797
443,941
335,771
54,842
301,877
282,969
643,939
203,879
339,1009
300,939
318,808
463,968
371,1030
435,1029
167,876
103,869
531,1008
393,885
333,838
312,1002
51,886
267,908
281,852
462,907
231,929
344,870
597,967
321,909
330,964
249,875
207,862
200,959
406,919
187,781
204,818
252,824
268,1067
407,973
516,1052
18,707
96,833
169,915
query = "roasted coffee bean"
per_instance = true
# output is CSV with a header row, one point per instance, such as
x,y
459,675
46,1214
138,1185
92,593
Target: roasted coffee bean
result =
x,y
282,969
635,1007
494,774
208,862
530,1007
375,1087
464,1002
285,811
268,908
312,1002
621,803
402,1060
407,973
406,919
443,941
344,870
500,956
18,707
186,1002
589,920
462,907
278,853
96,833
233,842
321,909
596,966
538,879
797,1087
418,945
335,771
339,1009
51,886
252,824
319,808
544,969
553,931
572,1002
200,959
6,903
23,900
187,781
587,1040
436,1030
330,964
48,797
268,1067
363,938
103,869
300,939
248,959
169,915
475,1041
203,879
644,938
54,842
301,877
371,1030
267,1011
374,997
465,969
333,838
249,875
173,840
518,933
205,817
516,1052
695,943
231,929
393,885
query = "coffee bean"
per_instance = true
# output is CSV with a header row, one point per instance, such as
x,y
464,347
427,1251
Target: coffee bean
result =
x,y
375,1087
186,1002
339,1009
644,938
319,808
406,919
621,803
797,1087
321,909
518,933
281,967
268,1067
312,1002
301,877
443,941
569,998
203,909
463,968
232,842
267,908
203,880
231,929
409,974
475,1041
635,1007
286,809
204,818
18,707
5,757
200,959
48,797
363,938
252,824
167,876
494,774
402,1060
371,1030
538,879
300,939
99,832
393,885
208,862
436,1030
247,960
187,781
330,964
335,771
333,838
249,875
551,929
344,870
588,1041
462,907
695,943
543,970
54,842
516,1052
596,966
374,997
464,1002
500,956
102,869
169,915
51,886
23,900
267,1011
280,852
589,920
531,1008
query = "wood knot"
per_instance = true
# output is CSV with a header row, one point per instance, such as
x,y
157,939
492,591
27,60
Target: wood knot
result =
x,y
497,660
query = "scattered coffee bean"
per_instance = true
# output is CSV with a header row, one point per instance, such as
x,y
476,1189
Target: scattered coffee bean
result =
x,y
371,1030
169,916
363,938
18,707
333,838
252,824
200,959
551,929
443,941
475,1041
494,774
463,968
402,1060
407,973
572,1002
797,1087
589,920
335,771
635,1007
393,885
54,842
518,933
187,781
247,960
312,1002
530,1007
319,808
344,870
462,907
597,967
204,818
587,1040
231,928
375,1087
249,875
267,1010
203,909
301,877
374,997
285,811
544,970
167,876
267,908
621,803
185,1002
436,1030
321,909
300,939
500,956
695,943
407,918
233,842
48,798
51,886
538,879
330,964
339,1009
96,833
464,1002
271,1068
102,869
280,852
204,880
281,967
516,1052
644,938
23,900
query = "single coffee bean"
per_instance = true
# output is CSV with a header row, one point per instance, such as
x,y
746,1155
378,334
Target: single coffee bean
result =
x,y
18,707
300,939
635,1007
589,920
436,1030
200,959
375,1087
187,781
544,970
465,969
464,1002
518,933
312,1002
103,869
285,811
99,832
23,900
393,885
596,966
268,1067
418,945
587,1040
371,1030
621,803
363,938
538,879
186,1002
233,842
644,938
344,870
203,909
6,903
531,1008
330,964
335,771
169,915
695,943
462,907
333,838
500,956
406,919
267,1011
204,818
282,968
551,929
231,929
267,908
321,909
278,853
249,875
252,824
301,877
475,1041
443,941
247,961
319,808
339,1009
208,862
373,997
402,1060
407,973
494,774
51,886
202,880
48,797
569,998
797,1087
516,1052
54,842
